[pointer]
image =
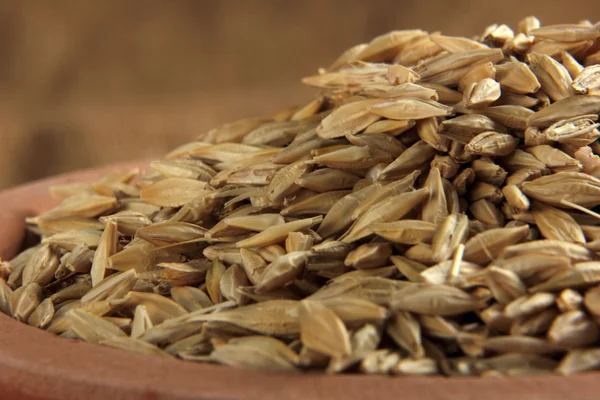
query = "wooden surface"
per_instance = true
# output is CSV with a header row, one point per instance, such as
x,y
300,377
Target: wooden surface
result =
x,y
85,83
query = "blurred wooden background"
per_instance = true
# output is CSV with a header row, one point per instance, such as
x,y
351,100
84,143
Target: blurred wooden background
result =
x,y
85,83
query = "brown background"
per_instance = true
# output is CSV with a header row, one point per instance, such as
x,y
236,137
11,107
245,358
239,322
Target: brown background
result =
x,y
84,83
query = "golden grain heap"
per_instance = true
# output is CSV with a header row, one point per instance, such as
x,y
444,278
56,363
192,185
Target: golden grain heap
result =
x,y
430,212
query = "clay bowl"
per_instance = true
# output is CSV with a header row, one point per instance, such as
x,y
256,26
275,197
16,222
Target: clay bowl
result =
x,y
38,365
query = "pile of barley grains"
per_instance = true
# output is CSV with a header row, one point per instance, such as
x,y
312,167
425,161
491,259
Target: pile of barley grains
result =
x,y
431,212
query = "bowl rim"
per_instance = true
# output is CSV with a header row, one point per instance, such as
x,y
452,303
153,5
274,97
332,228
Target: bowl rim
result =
x,y
35,364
